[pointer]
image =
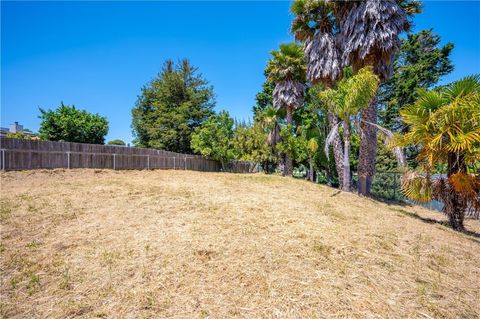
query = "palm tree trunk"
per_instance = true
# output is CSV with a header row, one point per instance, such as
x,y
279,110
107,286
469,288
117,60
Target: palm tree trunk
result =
x,y
368,149
337,142
288,168
454,208
346,154
337,147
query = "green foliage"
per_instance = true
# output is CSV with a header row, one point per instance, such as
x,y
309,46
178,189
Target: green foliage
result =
x,y
352,93
69,124
386,182
294,146
264,98
311,122
116,142
21,135
214,138
420,64
445,124
171,106
250,144
288,63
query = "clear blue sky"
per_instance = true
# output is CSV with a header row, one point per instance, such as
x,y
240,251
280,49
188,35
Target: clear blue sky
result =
x,y
98,55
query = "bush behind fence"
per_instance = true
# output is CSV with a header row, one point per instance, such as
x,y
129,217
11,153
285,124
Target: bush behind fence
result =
x,y
22,154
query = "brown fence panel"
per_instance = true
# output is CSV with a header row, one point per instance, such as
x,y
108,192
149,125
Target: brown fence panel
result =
x,y
21,154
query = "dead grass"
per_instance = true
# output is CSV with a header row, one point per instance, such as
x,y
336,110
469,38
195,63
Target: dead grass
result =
x,y
149,244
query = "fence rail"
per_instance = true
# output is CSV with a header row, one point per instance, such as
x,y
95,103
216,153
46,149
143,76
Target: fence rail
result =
x,y
22,154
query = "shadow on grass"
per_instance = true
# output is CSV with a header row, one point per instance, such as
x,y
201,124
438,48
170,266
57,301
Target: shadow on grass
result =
x,y
475,235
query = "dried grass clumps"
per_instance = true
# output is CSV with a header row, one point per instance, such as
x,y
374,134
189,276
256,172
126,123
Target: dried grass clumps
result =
x,y
151,244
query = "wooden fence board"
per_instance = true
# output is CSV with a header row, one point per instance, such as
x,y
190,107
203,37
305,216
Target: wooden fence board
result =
x,y
23,154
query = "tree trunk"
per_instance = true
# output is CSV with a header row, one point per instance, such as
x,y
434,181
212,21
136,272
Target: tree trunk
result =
x,y
310,172
337,148
368,149
346,154
454,209
288,168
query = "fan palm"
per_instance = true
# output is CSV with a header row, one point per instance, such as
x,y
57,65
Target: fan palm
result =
x,y
270,122
445,123
314,25
287,70
351,95
370,36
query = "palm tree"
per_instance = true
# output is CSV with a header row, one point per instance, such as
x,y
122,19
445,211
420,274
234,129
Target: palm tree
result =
x,y
351,95
269,120
287,70
445,124
314,26
369,32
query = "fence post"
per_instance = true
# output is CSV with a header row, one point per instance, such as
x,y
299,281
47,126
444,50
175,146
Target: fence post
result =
x,y
185,160
114,161
148,161
174,162
3,159
68,160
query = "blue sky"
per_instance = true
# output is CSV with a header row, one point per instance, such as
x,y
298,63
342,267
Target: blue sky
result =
x,y
98,55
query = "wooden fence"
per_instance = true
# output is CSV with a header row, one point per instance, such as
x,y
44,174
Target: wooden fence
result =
x,y
22,154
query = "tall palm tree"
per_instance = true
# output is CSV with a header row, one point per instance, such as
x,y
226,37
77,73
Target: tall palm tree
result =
x,y
369,32
445,124
314,26
287,69
351,95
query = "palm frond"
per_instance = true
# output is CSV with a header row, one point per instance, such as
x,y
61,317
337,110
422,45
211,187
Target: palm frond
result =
x,y
416,187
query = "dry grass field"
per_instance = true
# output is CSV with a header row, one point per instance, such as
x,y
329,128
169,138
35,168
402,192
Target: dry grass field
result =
x,y
180,244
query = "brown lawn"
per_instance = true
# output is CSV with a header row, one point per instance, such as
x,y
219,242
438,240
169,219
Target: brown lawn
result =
x,y
153,244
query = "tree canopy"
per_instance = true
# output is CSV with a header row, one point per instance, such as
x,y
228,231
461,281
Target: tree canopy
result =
x,y
214,138
70,124
171,106
420,64
116,142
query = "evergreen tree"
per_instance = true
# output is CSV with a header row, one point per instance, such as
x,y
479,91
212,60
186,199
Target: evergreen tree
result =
x,y
420,64
264,98
171,106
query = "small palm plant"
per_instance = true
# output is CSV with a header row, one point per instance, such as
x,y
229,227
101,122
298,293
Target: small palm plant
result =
x,y
352,94
445,124
287,69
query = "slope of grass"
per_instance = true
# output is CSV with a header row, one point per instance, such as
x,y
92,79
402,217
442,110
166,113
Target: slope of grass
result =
x,y
149,244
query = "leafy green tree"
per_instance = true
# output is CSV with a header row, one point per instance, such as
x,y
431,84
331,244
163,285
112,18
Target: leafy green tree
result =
x,y
287,70
445,124
69,124
214,138
116,142
420,64
171,106
351,96
292,145
250,144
